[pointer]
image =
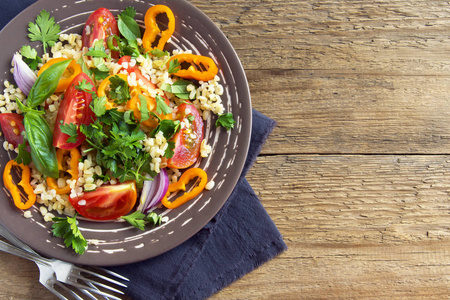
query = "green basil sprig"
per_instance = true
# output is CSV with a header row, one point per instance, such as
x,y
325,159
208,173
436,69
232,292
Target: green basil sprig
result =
x,y
40,139
46,83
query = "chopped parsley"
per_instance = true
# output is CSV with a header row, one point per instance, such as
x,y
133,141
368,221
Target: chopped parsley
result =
x,y
30,56
71,130
145,114
174,66
23,157
179,88
159,53
119,90
67,228
85,86
45,30
161,106
226,121
139,220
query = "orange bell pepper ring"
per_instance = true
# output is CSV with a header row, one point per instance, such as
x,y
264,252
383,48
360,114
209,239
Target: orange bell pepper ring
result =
x,y
152,30
75,156
24,183
102,89
71,72
201,67
180,185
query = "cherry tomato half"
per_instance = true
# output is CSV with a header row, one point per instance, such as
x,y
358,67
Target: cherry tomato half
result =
x,y
134,69
12,127
188,140
107,202
100,25
74,108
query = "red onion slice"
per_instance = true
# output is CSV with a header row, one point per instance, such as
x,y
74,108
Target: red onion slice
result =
x,y
153,191
23,75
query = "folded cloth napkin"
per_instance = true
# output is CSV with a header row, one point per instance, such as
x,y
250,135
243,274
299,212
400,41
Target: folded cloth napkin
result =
x,y
237,240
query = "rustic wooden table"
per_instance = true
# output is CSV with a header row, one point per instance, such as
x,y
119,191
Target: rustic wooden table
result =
x,y
356,174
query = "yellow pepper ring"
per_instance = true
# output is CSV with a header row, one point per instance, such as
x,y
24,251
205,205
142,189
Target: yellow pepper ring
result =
x,y
180,185
152,30
24,183
101,91
71,72
196,63
75,156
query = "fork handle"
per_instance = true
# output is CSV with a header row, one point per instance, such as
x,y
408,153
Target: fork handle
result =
x,y
8,248
14,240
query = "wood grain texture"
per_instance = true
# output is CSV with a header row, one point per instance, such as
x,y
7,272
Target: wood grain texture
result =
x,y
356,173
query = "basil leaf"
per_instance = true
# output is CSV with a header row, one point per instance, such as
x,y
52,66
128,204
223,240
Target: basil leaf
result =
x,y
45,85
128,27
40,139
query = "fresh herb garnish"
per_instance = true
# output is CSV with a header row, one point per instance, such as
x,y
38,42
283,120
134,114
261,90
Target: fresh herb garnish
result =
x,y
159,53
168,127
226,121
139,220
128,27
191,118
84,67
161,106
145,114
98,105
30,56
45,30
174,66
118,90
179,88
99,60
71,130
67,228
23,157
85,86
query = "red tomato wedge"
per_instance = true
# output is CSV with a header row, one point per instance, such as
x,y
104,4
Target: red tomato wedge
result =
x,y
107,202
99,26
12,127
187,140
74,108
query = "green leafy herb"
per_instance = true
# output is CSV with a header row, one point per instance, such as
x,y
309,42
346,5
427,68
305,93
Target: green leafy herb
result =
x,y
99,74
23,157
85,86
71,130
179,88
191,118
145,114
161,106
98,105
159,53
169,150
128,27
45,30
99,61
97,53
67,228
174,66
30,56
167,127
119,90
84,67
226,121
139,220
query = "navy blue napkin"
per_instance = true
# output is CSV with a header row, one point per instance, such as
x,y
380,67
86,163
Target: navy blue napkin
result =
x,y
236,241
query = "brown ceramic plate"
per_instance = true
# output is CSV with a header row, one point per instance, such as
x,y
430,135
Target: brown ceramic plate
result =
x,y
119,243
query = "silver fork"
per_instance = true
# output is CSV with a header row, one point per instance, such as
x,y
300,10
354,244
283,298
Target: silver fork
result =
x,y
46,274
71,274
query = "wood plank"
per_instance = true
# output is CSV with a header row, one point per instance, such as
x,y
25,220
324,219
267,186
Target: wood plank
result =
x,y
356,226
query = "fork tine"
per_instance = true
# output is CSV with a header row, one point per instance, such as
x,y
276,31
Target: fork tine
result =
x,y
93,290
102,276
50,286
64,287
87,293
112,273
100,284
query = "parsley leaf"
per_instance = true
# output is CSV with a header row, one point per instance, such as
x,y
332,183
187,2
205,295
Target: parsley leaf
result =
x,y
99,74
84,67
191,118
167,127
67,228
30,56
161,106
226,121
71,130
45,30
98,105
174,66
23,157
169,151
119,90
159,53
179,88
145,114
99,61
128,27
97,53
139,220
85,86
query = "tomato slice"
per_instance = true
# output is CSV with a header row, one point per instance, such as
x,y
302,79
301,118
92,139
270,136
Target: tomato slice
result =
x,y
100,25
74,108
12,127
107,202
187,140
